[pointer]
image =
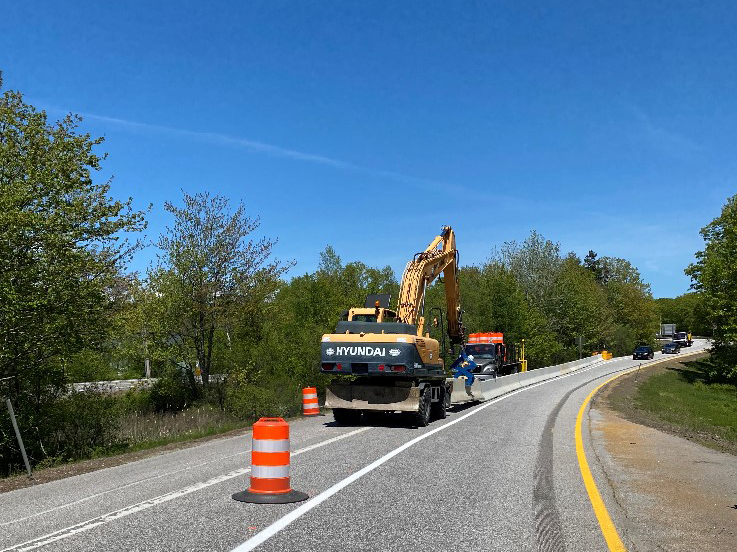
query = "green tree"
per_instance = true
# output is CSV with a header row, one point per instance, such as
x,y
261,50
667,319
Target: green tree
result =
x,y
688,312
577,307
631,302
310,306
60,253
535,264
714,274
209,270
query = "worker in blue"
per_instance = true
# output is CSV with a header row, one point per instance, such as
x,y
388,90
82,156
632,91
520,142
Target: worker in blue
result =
x,y
463,367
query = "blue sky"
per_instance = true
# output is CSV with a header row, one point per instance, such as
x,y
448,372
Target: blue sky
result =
x,y
367,125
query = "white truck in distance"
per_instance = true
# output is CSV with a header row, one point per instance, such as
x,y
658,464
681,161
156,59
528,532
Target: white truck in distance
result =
x,y
667,330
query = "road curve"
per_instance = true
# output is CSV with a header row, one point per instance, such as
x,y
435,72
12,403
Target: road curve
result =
x,y
502,475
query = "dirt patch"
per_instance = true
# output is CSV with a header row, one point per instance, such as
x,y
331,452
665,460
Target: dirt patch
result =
x,y
619,396
86,466
675,495
672,492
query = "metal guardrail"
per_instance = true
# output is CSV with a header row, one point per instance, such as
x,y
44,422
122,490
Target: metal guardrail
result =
x,y
113,386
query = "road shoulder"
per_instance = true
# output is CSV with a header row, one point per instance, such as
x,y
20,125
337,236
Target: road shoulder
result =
x,y
675,494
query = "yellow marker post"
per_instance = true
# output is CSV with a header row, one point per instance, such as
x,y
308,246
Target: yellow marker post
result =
x,y
523,360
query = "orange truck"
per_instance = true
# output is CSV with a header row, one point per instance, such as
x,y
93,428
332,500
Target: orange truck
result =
x,y
491,355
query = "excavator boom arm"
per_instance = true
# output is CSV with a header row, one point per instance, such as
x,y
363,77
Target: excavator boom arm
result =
x,y
439,257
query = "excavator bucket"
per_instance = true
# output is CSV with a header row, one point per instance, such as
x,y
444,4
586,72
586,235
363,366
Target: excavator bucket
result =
x,y
405,398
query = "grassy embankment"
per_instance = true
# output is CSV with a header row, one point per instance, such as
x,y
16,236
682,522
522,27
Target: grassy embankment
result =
x,y
679,398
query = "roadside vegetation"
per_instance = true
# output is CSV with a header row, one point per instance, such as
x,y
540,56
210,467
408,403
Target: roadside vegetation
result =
x,y
230,332
688,312
682,398
687,396
714,276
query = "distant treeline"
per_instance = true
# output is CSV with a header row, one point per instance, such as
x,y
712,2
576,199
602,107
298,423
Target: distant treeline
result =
x,y
218,302
688,312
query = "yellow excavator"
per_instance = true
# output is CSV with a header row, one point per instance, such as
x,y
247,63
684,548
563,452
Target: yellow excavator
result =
x,y
384,359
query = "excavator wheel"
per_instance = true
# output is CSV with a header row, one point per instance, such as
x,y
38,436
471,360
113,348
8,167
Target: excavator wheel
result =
x,y
438,410
346,416
422,416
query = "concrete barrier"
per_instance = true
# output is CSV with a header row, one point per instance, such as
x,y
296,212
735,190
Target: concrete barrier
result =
x,y
568,367
485,388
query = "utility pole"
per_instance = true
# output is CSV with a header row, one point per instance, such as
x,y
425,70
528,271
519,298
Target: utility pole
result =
x,y
147,361
579,342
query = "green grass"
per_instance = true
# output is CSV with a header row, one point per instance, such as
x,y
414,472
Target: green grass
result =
x,y
137,432
189,435
135,428
684,397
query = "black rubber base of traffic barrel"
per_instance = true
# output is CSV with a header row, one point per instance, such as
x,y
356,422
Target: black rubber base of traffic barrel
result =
x,y
277,498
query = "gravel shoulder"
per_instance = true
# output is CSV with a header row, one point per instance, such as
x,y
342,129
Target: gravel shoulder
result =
x,y
674,493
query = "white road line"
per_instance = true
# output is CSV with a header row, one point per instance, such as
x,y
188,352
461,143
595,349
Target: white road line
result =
x,y
129,510
131,484
278,525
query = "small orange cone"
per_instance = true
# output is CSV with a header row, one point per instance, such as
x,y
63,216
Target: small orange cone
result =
x,y
309,402
270,482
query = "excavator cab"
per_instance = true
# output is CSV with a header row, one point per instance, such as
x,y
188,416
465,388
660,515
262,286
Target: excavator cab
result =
x,y
376,309
372,315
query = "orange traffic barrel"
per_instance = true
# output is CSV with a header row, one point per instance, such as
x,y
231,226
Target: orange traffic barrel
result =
x,y
309,402
270,481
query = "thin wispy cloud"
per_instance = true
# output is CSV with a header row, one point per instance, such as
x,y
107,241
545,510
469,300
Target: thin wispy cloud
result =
x,y
267,149
216,138
663,139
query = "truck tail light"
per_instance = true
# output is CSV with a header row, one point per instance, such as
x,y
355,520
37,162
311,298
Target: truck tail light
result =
x,y
327,365
339,366
381,367
399,368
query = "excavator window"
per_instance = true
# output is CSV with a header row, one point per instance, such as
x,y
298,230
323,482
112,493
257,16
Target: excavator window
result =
x,y
364,318
375,327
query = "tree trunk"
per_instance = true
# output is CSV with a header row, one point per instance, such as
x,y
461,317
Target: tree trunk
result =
x,y
208,352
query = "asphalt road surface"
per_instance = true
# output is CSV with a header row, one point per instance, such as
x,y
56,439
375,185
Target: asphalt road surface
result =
x,y
500,475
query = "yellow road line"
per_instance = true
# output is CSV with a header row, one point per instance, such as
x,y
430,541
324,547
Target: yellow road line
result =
x,y
605,522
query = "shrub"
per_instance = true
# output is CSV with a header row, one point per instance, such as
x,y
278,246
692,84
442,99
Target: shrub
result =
x,y
84,422
251,402
173,391
137,400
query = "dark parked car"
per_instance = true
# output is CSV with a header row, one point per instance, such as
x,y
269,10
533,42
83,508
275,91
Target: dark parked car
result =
x,y
671,348
643,352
